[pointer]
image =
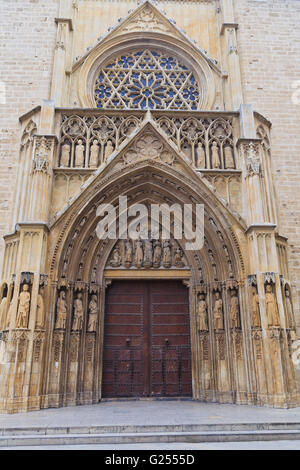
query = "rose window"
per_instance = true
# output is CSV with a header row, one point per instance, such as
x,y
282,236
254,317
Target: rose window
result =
x,y
146,80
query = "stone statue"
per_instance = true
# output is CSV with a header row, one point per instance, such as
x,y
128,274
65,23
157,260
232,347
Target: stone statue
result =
x,y
78,313
289,308
3,306
9,314
94,154
178,258
40,309
108,149
79,274
116,258
255,309
93,314
167,258
200,156
79,154
234,311
61,311
65,155
148,253
128,253
139,255
272,309
94,275
215,158
23,309
218,313
202,313
229,161
157,254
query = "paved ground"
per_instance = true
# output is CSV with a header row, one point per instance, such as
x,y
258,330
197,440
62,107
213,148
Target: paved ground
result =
x,y
141,412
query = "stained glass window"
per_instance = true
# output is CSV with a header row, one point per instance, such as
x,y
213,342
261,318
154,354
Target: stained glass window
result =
x,y
146,79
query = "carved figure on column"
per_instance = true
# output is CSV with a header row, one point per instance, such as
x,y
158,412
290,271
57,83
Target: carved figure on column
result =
x,y
128,253
272,308
40,310
93,314
218,313
200,156
23,309
229,161
78,313
234,311
139,255
148,254
215,157
3,306
61,311
157,254
94,154
79,154
167,258
289,308
202,313
65,155
255,309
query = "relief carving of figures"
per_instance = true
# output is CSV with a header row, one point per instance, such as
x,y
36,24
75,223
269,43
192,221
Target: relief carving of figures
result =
x,y
3,306
157,254
148,253
234,311
94,154
139,255
255,309
218,313
93,314
78,313
229,161
167,258
65,155
61,311
23,309
79,154
202,313
272,308
40,309
215,157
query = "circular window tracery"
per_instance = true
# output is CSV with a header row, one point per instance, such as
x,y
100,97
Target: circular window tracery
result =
x,y
146,79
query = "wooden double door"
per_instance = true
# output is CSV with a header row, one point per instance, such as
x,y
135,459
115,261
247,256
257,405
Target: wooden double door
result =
x,y
147,349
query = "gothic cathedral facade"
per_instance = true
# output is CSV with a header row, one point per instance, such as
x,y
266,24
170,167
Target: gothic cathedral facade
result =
x,y
145,112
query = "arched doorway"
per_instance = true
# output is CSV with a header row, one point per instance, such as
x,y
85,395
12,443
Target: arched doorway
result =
x,y
147,348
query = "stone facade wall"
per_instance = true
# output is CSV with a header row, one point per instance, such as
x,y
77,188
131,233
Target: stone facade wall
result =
x,y
27,39
269,49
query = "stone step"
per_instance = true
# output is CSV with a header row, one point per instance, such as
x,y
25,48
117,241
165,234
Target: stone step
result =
x,y
130,429
155,437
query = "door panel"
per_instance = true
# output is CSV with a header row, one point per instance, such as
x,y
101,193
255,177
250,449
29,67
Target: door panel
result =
x,y
146,340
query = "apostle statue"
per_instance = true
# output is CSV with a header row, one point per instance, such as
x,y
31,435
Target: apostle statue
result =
x,y
61,311
108,150
128,253
139,255
234,311
215,157
116,258
93,314
78,313
157,254
200,156
40,310
3,306
167,257
255,309
289,308
178,258
272,308
218,313
94,154
65,155
23,308
229,161
148,253
202,313
79,154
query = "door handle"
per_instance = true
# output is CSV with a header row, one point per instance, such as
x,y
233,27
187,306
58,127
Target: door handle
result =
x,y
167,341
128,341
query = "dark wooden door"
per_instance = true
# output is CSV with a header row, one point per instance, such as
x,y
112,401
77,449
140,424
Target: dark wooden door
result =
x,y
147,349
